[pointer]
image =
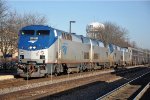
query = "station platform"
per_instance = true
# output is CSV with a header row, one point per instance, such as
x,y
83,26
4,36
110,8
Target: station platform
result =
x,y
5,77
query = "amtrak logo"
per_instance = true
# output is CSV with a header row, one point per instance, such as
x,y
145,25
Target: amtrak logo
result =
x,y
33,39
64,48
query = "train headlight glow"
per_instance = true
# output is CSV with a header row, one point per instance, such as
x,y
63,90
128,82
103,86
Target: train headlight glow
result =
x,y
30,47
34,47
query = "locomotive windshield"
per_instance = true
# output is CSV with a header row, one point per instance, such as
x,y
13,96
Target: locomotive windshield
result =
x,y
27,32
38,32
42,32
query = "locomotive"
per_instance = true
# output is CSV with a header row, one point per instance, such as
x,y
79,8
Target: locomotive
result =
x,y
45,50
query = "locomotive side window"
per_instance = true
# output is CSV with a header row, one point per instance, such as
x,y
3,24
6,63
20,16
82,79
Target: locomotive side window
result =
x,y
56,54
95,56
42,32
107,54
115,55
86,55
27,32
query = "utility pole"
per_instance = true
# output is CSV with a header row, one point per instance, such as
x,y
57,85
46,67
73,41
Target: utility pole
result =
x,y
70,25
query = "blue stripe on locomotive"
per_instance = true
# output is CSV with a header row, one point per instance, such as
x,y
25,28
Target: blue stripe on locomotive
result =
x,y
43,42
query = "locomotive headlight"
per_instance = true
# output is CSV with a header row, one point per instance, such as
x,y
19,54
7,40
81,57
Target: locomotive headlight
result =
x,y
30,47
34,47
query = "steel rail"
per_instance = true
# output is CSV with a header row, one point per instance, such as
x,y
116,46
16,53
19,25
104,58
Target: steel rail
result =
x,y
109,93
142,92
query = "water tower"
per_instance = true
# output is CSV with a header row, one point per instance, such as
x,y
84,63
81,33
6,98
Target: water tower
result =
x,y
94,30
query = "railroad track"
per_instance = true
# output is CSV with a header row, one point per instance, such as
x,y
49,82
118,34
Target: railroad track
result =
x,y
92,91
145,93
20,81
133,89
43,82
141,93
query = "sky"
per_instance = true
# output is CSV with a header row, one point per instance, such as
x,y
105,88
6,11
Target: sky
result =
x,y
132,15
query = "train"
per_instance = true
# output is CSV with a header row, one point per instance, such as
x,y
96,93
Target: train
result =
x,y
44,50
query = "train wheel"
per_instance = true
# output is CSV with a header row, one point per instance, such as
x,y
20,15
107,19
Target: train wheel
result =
x,y
17,76
46,75
25,78
56,71
80,70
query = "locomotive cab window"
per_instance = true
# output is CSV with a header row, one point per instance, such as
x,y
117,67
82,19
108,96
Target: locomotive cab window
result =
x,y
42,32
27,32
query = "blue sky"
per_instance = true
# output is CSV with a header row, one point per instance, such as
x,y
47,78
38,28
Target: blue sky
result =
x,y
133,15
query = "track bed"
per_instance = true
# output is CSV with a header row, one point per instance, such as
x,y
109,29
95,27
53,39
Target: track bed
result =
x,y
81,87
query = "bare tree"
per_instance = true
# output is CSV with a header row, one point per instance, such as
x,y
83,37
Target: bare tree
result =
x,y
3,10
114,34
10,27
109,33
3,13
30,19
133,44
